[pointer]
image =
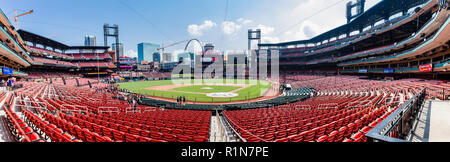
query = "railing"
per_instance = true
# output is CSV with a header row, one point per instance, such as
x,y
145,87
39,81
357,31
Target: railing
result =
x,y
443,94
446,94
67,108
228,123
135,110
302,107
102,110
327,106
221,127
397,126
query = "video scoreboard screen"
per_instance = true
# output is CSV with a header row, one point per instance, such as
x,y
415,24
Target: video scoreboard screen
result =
x,y
426,68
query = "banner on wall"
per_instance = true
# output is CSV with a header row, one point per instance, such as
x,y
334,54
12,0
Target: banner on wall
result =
x,y
388,71
7,71
362,71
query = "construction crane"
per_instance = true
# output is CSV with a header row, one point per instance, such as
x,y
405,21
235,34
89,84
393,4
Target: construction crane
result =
x,y
23,14
164,47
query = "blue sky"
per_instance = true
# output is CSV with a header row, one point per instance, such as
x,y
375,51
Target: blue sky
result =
x,y
168,21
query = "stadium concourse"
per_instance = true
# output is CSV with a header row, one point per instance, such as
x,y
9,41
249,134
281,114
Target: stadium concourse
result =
x,y
382,77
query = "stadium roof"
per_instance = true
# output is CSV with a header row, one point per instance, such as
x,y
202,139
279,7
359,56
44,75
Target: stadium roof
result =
x,y
34,38
380,11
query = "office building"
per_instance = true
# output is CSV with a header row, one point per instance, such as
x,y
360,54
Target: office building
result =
x,y
146,52
89,40
121,53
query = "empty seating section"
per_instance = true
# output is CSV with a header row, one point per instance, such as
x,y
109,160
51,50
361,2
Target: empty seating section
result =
x,y
302,125
64,114
81,60
331,102
19,128
71,56
336,44
53,61
340,109
152,74
344,108
312,120
72,81
158,126
364,53
302,77
83,56
96,64
39,75
47,52
78,64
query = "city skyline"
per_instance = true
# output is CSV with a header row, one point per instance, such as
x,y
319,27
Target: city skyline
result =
x,y
210,21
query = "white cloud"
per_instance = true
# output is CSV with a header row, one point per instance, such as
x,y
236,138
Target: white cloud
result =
x,y
175,54
287,20
244,21
131,53
229,27
265,30
308,29
197,30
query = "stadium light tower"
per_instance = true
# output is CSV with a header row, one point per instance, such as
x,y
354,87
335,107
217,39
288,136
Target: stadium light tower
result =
x,y
115,34
254,35
359,9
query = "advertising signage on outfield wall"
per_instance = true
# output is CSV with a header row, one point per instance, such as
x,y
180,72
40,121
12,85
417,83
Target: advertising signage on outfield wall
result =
x,y
388,71
362,71
426,68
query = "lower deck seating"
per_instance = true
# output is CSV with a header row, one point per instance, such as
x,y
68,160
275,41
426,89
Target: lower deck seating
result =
x,y
19,128
340,109
67,114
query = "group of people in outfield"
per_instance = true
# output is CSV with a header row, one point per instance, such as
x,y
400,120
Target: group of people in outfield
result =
x,y
181,100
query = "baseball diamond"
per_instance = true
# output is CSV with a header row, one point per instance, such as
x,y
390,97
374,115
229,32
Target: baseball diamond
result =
x,y
207,90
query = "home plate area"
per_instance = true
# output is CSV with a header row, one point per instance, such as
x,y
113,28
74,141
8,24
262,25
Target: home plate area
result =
x,y
222,94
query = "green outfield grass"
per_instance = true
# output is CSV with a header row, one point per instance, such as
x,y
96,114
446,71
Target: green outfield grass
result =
x,y
256,89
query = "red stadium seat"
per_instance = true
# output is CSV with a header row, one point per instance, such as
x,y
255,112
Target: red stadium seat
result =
x,y
131,138
199,139
118,136
144,139
323,138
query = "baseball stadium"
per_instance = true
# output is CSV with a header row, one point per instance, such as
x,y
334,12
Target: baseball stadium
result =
x,y
211,91
381,77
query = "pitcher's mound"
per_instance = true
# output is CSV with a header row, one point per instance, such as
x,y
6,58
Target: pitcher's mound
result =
x,y
207,88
